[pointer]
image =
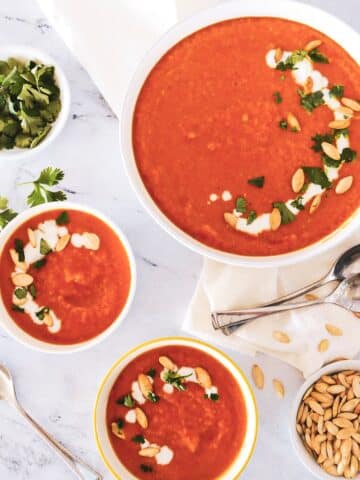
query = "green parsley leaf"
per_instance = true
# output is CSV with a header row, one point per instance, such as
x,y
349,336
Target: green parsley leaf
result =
x,y
176,380
42,312
3,203
251,217
330,162
16,308
126,400
290,62
45,248
283,124
41,194
297,203
145,468
348,155
39,263
120,423
286,215
317,57
342,132
63,218
311,101
318,139
151,373
32,290
257,181
317,175
20,292
138,439
241,204
19,248
153,398
277,97
213,396
337,91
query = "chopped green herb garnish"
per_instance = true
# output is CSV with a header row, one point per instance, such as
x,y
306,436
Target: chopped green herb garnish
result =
x,y
146,468
283,124
120,423
6,214
16,308
32,290
45,248
151,373
19,248
348,155
20,292
277,97
257,181
39,263
330,162
289,63
176,380
317,175
126,400
63,218
297,203
241,204
138,439
286,215
41,313
342,132
311,101
317,57
251,217
213,396
29,103
337,91
41,194
318,139
153,398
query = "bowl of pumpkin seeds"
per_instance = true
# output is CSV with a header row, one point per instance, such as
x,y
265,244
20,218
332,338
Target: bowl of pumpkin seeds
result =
x,y
34,101
325,421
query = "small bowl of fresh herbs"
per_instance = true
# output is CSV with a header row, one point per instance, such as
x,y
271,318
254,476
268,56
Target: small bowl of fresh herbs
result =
x,y
34,101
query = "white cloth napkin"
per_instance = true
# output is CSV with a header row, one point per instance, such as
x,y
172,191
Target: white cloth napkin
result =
x,y
109,38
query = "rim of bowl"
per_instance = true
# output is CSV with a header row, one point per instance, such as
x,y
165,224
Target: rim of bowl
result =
x,y
99,411
24,52
308,462
20,335
311,16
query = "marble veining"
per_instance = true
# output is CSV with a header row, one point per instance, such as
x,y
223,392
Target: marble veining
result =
x,y
59,391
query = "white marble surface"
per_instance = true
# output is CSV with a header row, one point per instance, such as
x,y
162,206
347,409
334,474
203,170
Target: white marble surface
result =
x,y
59,391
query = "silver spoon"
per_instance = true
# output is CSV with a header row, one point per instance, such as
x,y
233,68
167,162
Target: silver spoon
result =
x,y
7,393
347,265
345,295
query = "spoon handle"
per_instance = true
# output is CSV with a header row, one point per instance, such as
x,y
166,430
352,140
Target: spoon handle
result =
x,y
80,468
236,318
219,317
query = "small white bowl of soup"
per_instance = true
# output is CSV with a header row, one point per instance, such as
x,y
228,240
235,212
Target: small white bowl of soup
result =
x,y
175,408
324,421
25,54
214,131
68,277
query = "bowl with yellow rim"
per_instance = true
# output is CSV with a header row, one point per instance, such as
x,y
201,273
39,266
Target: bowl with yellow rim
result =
x,y
100,417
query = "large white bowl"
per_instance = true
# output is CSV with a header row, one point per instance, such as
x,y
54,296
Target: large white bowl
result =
x,y
20,335
290,10
26,53
100,426
304,456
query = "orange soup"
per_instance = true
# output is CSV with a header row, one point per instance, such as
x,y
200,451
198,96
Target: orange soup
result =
x,y
65,276
246,134
176,413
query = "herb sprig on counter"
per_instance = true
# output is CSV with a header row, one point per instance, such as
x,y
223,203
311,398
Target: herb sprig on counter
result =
x,y
6,213
48,177
29,103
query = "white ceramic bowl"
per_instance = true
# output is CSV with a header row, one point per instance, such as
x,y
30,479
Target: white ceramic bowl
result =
x,y
306,459
100,430
20,335
290,10
25,53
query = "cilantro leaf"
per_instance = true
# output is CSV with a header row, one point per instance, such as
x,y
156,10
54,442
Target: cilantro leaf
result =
x,y
151,373
317,57
318,139
330,162
257,181
277,97
153,397
39,263
317,175
286,215
337,91
138,439
50,176
176,380
45,248
241,204
126,400
251,217
283,124
348,155
311,101
297,203
19,249
290,62
145,468
6,215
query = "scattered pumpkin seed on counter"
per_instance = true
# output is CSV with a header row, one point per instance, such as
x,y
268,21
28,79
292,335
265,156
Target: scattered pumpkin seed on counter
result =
x,y
29,103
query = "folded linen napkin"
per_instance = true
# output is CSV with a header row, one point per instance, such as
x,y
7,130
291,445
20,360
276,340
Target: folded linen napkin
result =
x,y
92,32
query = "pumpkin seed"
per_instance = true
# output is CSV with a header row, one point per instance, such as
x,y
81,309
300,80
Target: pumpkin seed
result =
x,y
339,124
293,122
203,377
145,385
315,203
281,337
62,243
149,452
167,363
31,235
279,388
91,241
353,104
230,219
323,345
333,330
275,219
22,279
141,418
312,45
298,180
258,376
344,184
330,150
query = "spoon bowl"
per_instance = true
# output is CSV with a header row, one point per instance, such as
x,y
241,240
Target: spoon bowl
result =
x,y
347,294
7,388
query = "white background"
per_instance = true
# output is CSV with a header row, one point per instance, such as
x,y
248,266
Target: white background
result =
x,y
60,391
